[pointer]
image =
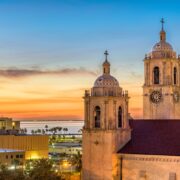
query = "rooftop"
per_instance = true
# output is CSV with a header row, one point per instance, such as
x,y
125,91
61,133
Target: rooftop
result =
x,y
10,150
154,137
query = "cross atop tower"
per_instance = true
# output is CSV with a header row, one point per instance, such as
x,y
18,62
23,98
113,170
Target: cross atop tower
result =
x,y
106,54
162,22
162,32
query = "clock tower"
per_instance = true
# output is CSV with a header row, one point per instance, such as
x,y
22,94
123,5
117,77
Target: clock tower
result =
x,y
161,89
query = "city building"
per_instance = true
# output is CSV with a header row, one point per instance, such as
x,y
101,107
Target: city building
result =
x,y
35,146
12,158
115,147
68,148
8,124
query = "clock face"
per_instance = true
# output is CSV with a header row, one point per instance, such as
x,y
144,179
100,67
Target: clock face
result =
x,y
176,96
155,96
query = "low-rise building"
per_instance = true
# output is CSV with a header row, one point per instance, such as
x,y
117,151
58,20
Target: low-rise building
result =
x,y
66,148
12,158
35,146
8,124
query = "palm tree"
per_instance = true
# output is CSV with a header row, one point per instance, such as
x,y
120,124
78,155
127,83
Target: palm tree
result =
x,y
65,130
32,131
80,131
46,127
25,130
60,129
39,131
43,131
76,160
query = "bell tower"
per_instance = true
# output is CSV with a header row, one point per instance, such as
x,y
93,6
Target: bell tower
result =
x,y
106,127
161,87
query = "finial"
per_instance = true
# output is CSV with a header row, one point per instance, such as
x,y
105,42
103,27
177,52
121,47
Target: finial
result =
x,y
162,32
106,54
162,22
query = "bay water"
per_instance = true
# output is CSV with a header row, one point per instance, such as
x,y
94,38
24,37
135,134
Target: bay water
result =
x,y
73,126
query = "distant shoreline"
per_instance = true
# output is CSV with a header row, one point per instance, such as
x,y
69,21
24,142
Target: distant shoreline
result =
x,y
52,120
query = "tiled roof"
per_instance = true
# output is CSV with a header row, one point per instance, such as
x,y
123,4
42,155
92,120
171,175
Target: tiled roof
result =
x,y
154,137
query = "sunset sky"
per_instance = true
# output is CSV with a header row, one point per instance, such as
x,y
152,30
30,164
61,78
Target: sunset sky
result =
x,y
52,50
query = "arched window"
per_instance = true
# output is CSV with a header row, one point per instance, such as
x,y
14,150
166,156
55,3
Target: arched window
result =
x,y
97,116
156,75
175,75
119,117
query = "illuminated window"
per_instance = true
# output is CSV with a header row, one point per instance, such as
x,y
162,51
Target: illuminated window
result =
x,y
119,117
97,116
156,75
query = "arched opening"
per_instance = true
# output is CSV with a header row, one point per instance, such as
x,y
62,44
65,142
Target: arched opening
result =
x,y
119,117
156,75
97,117
175,75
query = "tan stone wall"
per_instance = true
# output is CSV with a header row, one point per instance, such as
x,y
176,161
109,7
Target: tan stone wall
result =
x,y
36,146
167,108
109,111
100,144
99,148
150,167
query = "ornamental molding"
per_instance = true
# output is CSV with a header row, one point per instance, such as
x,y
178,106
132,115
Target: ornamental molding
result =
x,y
172,159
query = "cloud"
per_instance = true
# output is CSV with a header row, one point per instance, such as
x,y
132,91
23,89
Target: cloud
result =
x,y
19,73
136,75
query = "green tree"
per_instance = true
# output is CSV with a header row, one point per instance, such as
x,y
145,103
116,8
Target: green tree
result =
x,y
65,130
60,129
16,163
76,160
25,130
80,131
46,127
41,169
6,174
39,131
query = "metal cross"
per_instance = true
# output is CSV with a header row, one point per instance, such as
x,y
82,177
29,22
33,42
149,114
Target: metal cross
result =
x,y
106,54
162,21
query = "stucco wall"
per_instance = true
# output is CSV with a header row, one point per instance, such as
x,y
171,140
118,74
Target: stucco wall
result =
x,y
150,167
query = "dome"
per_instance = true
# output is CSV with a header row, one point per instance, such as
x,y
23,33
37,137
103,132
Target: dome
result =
x,y
106,80
162,46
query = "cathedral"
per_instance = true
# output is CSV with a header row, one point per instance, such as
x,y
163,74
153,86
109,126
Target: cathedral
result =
x,y
116,147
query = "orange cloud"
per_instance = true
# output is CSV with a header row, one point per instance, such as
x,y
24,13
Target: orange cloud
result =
x,y
54,94
16,73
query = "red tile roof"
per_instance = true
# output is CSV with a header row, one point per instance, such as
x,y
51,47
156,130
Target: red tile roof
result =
x,y
154,137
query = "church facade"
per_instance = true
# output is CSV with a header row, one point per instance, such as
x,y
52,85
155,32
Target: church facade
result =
x,y
116,148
